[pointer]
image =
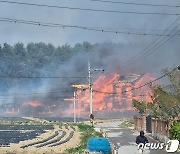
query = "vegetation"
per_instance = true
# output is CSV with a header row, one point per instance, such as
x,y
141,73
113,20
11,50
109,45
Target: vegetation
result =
x,y
127,123
140,106
174,132
166,103
166,100
87,131
35,59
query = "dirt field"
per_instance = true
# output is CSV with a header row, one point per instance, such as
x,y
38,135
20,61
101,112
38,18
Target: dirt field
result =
x,y
60,149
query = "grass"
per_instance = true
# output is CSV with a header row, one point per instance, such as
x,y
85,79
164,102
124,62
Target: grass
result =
x,y
127,124
86,132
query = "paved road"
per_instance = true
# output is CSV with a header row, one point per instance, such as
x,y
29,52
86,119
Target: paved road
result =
x,y
124,139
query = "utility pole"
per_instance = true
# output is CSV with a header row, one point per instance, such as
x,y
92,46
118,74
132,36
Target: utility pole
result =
x,y
74,106
90,85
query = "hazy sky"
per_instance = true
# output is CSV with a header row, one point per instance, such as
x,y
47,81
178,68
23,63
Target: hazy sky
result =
x,y
165,56
119,47
12,33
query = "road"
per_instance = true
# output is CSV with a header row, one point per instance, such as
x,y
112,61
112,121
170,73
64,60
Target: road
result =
x,y
124,138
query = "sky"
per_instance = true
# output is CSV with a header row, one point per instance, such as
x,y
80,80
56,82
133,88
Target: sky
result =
x,y
165,56
12,33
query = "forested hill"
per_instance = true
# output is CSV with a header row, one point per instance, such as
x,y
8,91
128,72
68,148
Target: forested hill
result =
x,y
35,58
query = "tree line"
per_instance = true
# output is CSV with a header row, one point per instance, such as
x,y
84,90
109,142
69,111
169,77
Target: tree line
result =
x,y
165,99
35,59
165,102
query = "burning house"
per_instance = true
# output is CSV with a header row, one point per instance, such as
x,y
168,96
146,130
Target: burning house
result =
x,y
112,93
30,108
10,109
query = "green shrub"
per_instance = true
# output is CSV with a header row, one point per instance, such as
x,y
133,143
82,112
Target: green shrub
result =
x,y
87,131
127,123
174,132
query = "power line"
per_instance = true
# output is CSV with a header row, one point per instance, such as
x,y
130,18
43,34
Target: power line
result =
x,y
100,29
39,93
165,60
89,9
144,53
148,83
36,97
46,77
137,29
129,61
113,93
131,3
41,77
152,50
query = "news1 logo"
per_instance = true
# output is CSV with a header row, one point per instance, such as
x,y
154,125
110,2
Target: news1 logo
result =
x,y
172,145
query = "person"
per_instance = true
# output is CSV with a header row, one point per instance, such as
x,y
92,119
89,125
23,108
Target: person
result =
x,y
141,138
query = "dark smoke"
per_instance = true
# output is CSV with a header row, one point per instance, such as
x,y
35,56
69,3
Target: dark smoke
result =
x,y
106,55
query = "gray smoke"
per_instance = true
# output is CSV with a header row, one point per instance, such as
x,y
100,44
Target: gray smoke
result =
x,y
110,52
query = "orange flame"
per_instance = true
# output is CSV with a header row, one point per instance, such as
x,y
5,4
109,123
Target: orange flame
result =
x,y
33,104
120,89
80,86
11,110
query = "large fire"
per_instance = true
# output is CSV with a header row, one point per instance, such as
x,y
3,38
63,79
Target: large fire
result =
x,y
33,104
11,110
113,93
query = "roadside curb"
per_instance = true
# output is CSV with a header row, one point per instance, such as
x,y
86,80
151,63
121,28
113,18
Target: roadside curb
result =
x,y
114,149
153,138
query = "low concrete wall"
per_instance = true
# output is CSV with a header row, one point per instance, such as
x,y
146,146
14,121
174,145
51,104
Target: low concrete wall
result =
x,y
140,123
160,129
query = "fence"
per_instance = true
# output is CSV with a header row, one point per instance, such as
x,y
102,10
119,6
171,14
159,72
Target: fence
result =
x,y
140,123
159,127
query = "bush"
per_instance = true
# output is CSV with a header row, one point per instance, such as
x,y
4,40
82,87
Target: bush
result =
x,y
87,131
127,124
174,132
